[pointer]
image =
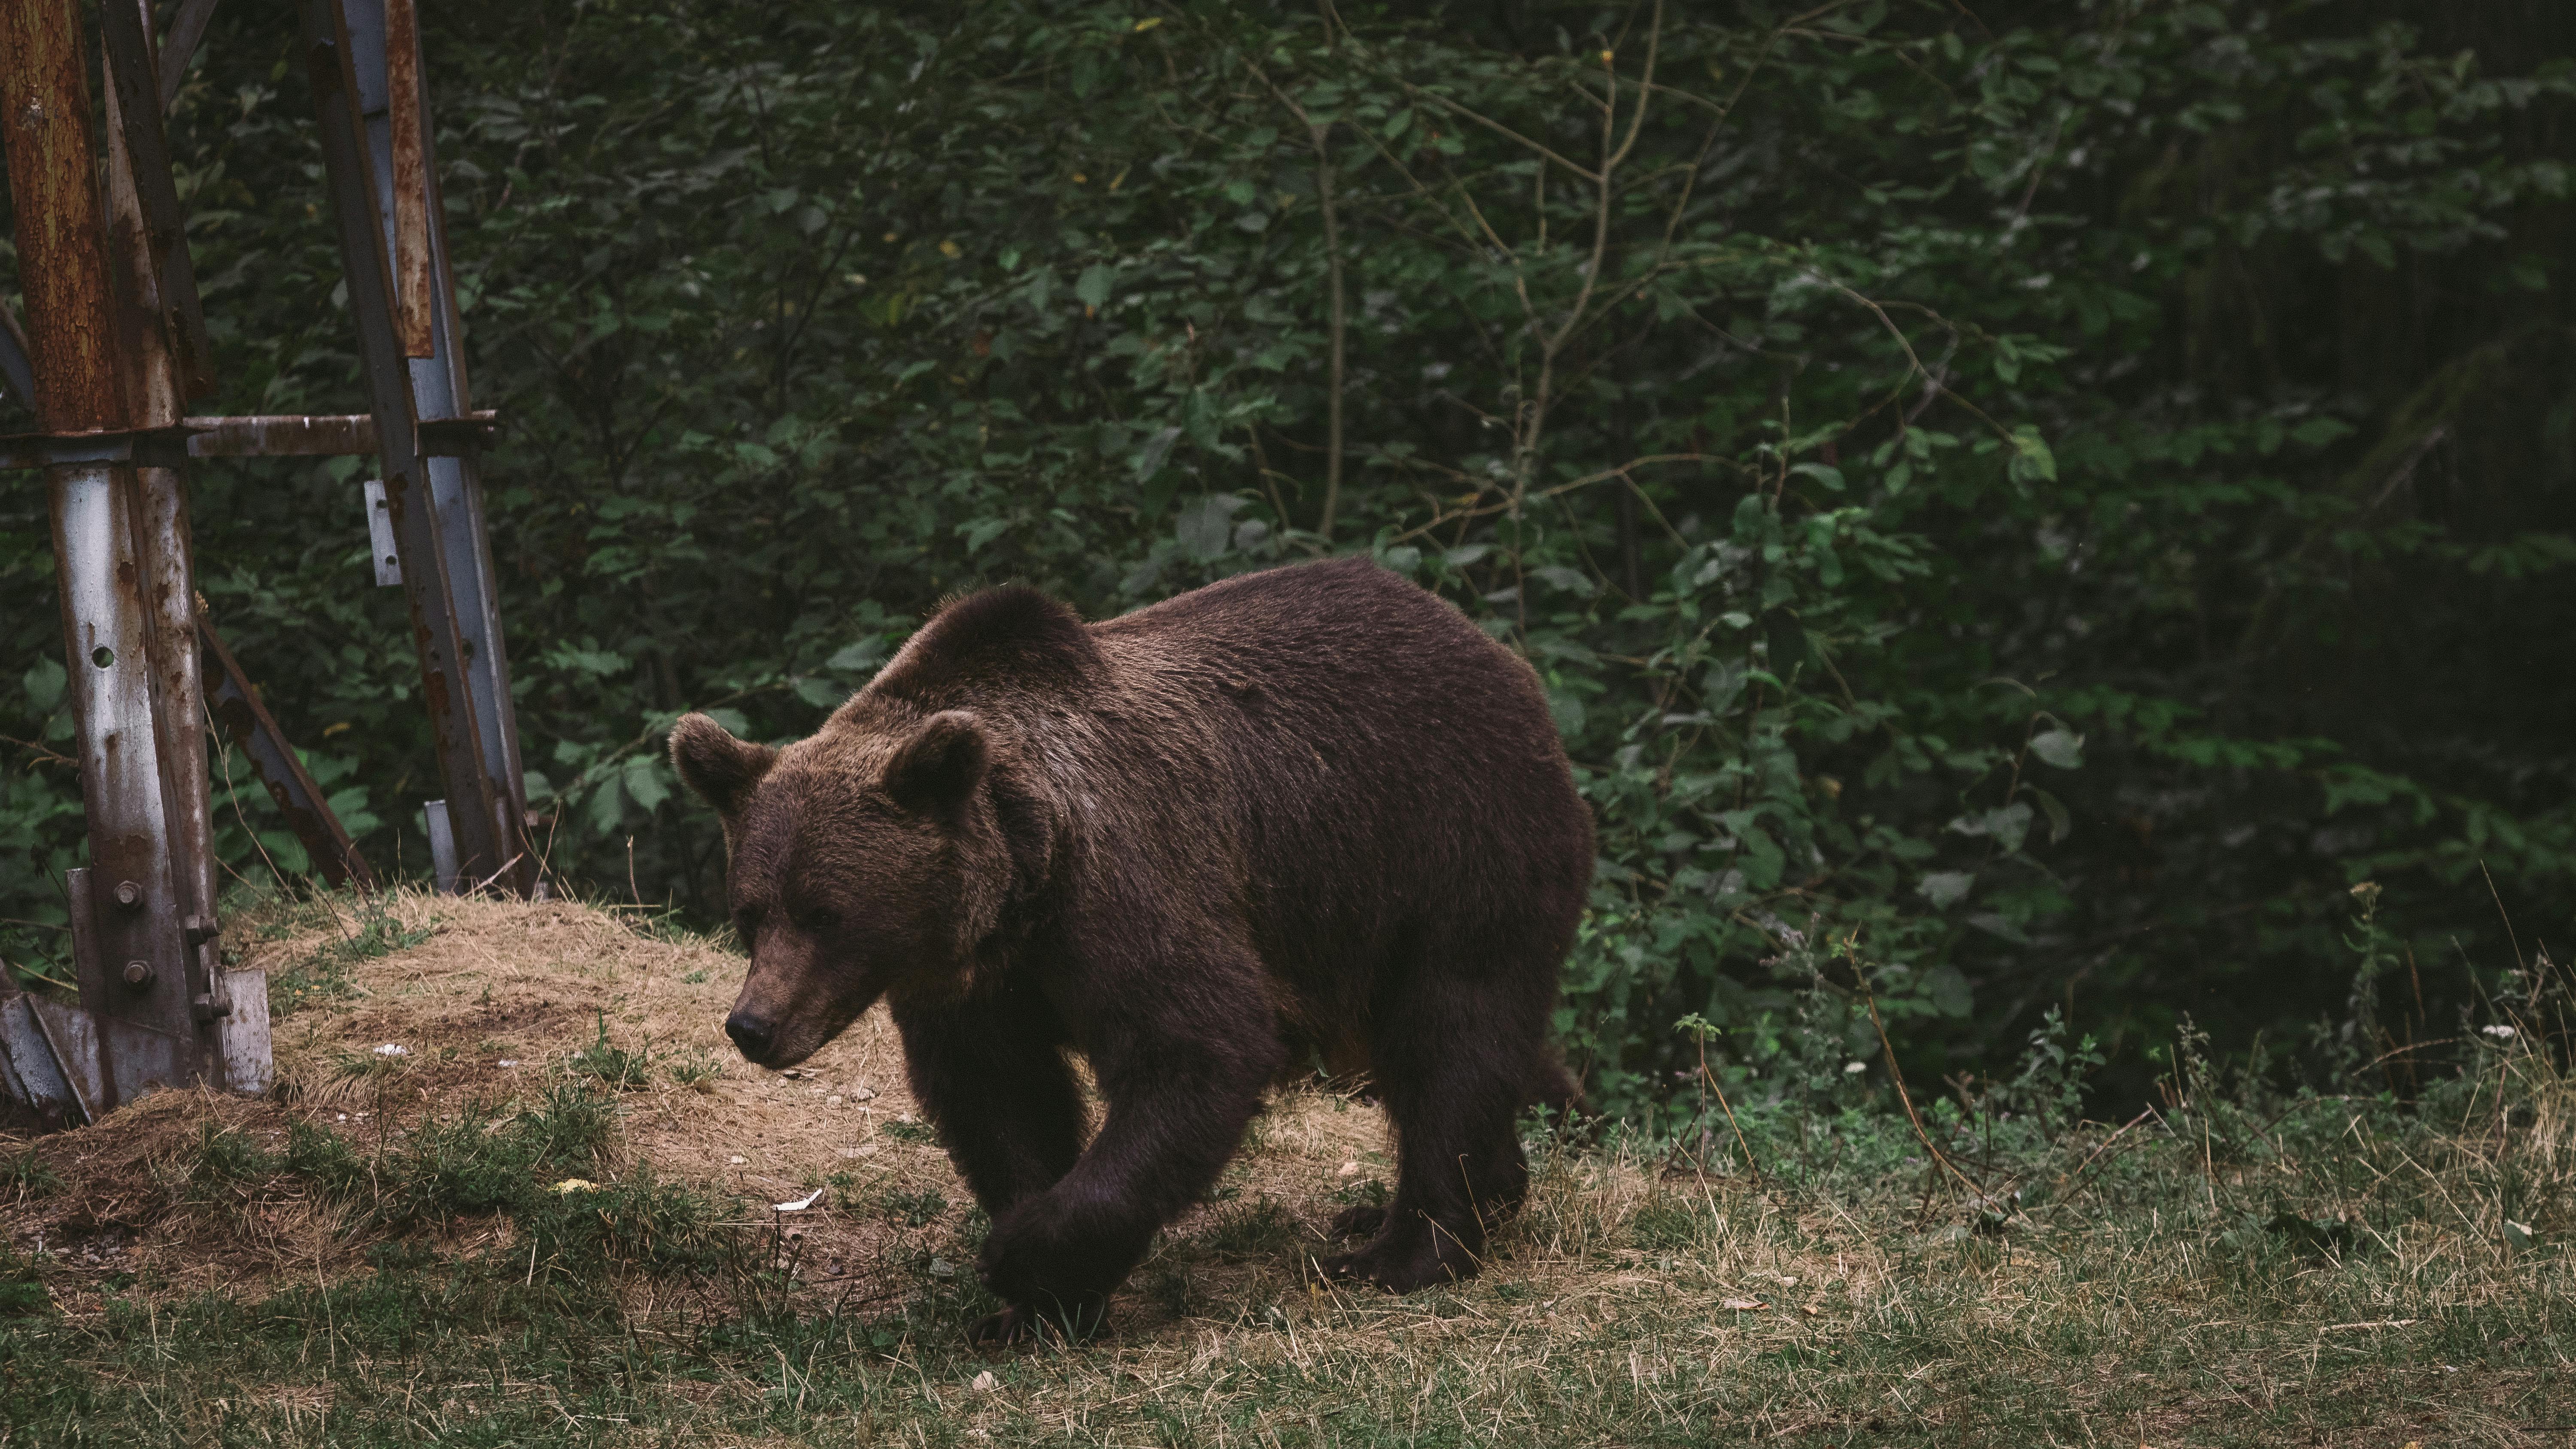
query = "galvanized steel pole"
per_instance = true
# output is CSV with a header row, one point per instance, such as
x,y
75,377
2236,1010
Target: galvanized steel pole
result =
x,y
384,56
489,824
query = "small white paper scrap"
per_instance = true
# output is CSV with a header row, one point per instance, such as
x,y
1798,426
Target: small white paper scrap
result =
x,y
802,1203
391,1049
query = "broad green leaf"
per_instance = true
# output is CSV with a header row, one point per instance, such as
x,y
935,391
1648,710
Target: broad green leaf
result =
x,y
2060,747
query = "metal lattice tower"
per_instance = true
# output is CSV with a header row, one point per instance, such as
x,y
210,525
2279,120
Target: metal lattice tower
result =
x,y
114,346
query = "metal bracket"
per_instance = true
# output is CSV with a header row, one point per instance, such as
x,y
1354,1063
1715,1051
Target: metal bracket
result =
x,y
381,546
32,1067
286,435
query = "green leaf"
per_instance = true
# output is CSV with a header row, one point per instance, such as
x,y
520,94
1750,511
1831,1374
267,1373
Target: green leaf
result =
x,y
1093,286
285,852
858,658
1945,888
2060,823
2032,461
1788,642
1206,525
2060,747
2006,825
1567,709
2000,926
646,780
1149,458
607,807
44,681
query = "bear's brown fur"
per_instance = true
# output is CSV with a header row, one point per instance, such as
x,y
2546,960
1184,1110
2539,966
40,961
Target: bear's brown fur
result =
x,y
1307,813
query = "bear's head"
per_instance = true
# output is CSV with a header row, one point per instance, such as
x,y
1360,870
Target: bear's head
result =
x,y
872,859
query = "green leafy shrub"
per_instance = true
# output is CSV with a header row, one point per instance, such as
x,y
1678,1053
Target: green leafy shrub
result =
x,y
2029,492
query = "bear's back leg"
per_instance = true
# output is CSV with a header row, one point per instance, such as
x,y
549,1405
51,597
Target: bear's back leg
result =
x,y
1457,1041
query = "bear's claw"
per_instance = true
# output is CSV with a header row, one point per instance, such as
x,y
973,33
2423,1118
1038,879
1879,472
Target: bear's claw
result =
x,y
1358,1222
1397,1267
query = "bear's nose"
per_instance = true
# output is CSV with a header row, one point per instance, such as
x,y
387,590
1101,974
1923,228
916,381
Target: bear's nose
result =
x,y
750,1033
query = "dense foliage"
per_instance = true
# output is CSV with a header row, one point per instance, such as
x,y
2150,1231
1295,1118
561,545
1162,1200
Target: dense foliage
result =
x,y
2022,505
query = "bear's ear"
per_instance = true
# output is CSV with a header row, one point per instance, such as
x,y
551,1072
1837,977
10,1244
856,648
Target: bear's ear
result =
x,y
940,765
720,768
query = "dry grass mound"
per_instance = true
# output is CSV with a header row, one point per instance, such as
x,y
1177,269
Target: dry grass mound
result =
x,y
402,1012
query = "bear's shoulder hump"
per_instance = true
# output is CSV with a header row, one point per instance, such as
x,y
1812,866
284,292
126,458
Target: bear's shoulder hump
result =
x,y
1010,635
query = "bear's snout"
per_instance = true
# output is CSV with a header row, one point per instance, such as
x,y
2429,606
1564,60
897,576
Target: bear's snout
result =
x,y
750,1033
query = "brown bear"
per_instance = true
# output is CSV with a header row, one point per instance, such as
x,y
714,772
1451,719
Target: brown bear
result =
x,y
1309,815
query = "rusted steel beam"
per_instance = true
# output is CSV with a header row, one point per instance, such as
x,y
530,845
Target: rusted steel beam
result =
x,y
136,966
282,435
238,708
289,435
486,845
187,32
439,389
410,175
44,95
134,111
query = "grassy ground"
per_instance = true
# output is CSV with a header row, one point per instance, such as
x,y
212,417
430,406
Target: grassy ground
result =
x,y
388,1258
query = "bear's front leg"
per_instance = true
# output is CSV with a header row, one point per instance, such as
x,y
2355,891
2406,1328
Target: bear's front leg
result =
x,y
990,1073
1183,1079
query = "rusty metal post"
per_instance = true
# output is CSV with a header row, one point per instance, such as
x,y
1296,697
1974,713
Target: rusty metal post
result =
x,y
455,664
157,301
136,978
384,58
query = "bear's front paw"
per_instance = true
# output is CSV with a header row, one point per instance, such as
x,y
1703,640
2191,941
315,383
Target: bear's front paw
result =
x,y
1050,1274
1002,1330
1020,1324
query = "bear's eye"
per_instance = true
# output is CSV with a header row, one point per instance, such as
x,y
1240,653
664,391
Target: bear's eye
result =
x,y
746,923
809,919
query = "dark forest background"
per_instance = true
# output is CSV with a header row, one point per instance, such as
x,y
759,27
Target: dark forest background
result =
x,y
2030,504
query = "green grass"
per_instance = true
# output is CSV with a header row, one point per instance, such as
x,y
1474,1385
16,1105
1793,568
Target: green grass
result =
x,y
25,1175
2333,1270
540,1167
362,928
1805,1264
620,1069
